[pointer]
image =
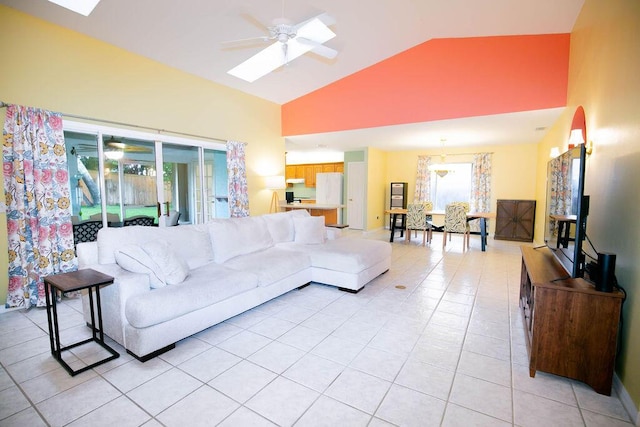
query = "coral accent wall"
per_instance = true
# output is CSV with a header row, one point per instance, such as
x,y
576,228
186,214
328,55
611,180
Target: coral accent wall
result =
x,y
440,79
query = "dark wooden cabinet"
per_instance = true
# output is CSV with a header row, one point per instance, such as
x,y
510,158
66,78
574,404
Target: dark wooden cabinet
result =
x,y
571,328
398,200
515,220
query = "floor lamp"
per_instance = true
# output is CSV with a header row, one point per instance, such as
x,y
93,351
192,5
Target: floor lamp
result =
x,y
275,183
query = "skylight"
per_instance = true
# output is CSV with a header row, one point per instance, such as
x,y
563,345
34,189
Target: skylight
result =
x,y
83,7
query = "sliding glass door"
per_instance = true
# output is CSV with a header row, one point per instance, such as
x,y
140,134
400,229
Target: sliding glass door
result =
x,y
117,175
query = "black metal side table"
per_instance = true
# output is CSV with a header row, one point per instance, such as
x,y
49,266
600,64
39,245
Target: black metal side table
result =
x,y
74,281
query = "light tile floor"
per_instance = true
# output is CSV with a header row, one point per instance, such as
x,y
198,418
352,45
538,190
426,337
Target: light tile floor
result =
x,y
447,349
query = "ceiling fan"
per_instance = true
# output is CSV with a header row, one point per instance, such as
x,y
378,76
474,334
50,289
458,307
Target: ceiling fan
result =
x,y
291,41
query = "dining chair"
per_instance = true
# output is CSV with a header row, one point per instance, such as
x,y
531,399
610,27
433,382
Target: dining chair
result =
x,y
428,207
172,219
86,231
417,220
148,221
455,221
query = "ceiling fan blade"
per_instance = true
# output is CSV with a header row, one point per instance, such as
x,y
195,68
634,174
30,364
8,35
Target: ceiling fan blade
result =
x,y
325,18
316,31
318,48
260,64
244,41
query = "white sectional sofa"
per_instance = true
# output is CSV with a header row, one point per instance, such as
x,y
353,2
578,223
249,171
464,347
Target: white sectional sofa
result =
x,y
173,282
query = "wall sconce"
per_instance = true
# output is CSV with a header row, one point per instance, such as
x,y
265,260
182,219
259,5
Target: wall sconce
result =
x,y
274,183
588,147
575,138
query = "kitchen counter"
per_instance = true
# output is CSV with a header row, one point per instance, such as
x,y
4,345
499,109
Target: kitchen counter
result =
x,y
284,205
329,212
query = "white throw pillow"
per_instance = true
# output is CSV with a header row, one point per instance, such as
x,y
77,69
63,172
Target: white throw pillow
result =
x,y
309,230
133,258
174,268
233,237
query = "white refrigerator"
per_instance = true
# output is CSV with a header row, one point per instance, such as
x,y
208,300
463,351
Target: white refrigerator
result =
x,y
329,190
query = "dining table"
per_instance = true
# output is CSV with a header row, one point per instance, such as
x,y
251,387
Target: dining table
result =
x,y
482,216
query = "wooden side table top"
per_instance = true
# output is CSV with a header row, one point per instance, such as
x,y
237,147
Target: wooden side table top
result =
x,y
76,280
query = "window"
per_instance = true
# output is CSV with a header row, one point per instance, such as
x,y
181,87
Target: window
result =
x,y
455,186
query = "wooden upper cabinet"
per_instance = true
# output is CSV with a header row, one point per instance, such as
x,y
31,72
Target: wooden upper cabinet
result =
x,y
290,172
308,172
309,176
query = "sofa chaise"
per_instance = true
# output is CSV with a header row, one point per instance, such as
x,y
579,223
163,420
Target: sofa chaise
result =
x,y
170,283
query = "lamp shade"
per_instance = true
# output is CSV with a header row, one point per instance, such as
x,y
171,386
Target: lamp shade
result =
x,y
575,137
275,182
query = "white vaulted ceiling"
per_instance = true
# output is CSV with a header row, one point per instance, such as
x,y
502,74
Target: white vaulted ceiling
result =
x,y
188,35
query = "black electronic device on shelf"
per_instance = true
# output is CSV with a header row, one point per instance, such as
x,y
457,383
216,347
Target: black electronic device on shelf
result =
x,y
567,209
289,196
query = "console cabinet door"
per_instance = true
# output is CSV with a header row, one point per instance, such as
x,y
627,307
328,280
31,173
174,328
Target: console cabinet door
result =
x,y
515,220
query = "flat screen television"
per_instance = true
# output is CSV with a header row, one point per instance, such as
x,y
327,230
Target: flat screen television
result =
x,y
567,209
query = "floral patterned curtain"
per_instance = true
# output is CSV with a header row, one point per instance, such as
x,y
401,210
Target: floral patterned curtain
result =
x,y
37,192
237,171
560,189
480,186
423,180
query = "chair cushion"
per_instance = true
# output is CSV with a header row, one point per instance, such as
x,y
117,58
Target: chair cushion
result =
x,y
455,218
416,218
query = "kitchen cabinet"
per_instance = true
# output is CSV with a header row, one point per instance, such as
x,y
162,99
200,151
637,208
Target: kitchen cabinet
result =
x,y
308,171
310,174
290,172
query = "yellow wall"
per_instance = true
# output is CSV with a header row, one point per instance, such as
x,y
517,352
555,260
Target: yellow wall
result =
x,y
50,67
514,171
603,78
376,161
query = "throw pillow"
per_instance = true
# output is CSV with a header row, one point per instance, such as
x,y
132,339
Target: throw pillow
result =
x,y
133,258
233,237
172,266
309,230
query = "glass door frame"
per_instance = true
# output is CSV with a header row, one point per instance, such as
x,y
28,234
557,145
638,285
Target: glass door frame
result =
x,y
158,139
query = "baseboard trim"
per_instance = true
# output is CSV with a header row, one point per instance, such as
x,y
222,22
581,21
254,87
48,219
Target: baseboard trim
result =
x,y
626,400
3,309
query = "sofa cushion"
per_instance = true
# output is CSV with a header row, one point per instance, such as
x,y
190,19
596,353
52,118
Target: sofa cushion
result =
x,y
190,241
270,265
238,236
309,230
204,286
171,265
280,224
349,255
133,258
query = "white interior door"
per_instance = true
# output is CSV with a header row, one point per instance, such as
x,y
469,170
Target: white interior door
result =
x,y
355,195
